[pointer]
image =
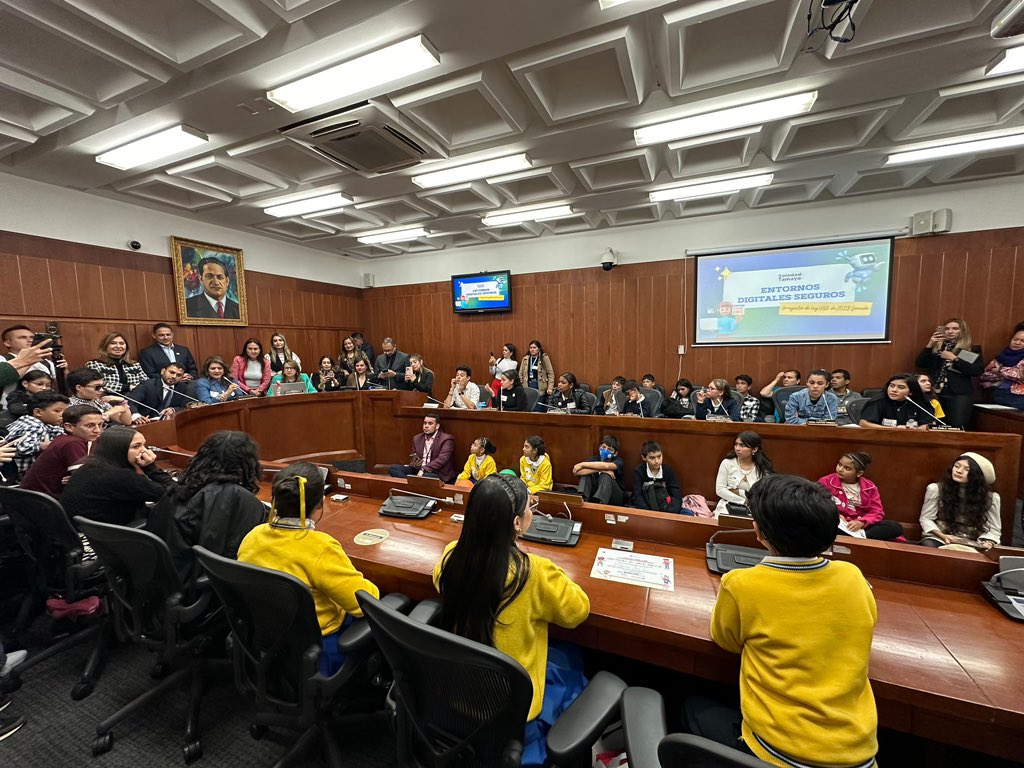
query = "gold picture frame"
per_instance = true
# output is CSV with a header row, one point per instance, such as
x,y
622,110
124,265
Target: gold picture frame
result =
x,y
198,283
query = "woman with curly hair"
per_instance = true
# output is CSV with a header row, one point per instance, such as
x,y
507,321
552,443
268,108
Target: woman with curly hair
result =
x,y
213,504
962,510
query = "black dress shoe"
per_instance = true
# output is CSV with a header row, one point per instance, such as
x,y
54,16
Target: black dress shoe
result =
x,y
10,725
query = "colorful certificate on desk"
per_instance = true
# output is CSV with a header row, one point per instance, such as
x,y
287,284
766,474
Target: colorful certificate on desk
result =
x,y
632,568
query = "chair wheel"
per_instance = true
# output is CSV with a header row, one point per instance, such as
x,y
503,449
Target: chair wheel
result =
x,y
257,731
192,751
81,689
102,743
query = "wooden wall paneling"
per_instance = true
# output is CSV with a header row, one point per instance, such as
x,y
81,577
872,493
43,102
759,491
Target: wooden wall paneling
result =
x,y
90,290
35,284
65,290
115,301
11,298
999,307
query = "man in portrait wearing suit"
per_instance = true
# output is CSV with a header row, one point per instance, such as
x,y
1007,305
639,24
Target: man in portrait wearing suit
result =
x,y
213,301
154,357
162,396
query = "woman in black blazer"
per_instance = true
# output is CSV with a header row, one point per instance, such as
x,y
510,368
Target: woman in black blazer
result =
x,y
952,375
512,395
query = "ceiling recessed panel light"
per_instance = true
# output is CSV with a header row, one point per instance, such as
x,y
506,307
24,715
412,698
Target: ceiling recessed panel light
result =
x,y
157,146
606,4
757,113
519,215
394,236
1010,60
309,205
963,145
357,75
473,171
711,187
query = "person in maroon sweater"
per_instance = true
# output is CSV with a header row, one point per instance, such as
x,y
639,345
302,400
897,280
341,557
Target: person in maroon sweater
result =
x,y
82,425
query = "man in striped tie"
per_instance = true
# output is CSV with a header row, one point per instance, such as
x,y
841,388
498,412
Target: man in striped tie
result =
x,y
214,300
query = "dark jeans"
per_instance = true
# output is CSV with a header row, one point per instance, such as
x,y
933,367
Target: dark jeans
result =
x,y
600,489
404,470
957,408
884,530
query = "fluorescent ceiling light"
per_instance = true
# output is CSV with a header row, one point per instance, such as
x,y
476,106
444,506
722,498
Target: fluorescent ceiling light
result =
x,y
964,145
725,119
482,170
153,147
519,215
711,188
356,75
394,236
606,4
1010,60
309,205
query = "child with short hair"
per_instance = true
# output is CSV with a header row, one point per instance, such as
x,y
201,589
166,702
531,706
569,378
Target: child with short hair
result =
x,y
600,476
858,499
480,463
38,428
290,543
535,465
802,625
82,425
655,485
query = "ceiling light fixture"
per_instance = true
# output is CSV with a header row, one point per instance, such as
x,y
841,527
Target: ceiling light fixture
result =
x,y
473,171
1010,60
356,75
606,4
711,187
519,215
758,113
156,146
963,145
394,236
309,205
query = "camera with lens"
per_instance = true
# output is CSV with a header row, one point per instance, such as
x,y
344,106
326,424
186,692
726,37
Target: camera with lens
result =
x,y
55,342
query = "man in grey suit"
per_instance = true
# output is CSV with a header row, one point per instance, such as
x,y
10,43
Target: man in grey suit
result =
x,y
391,365
213,301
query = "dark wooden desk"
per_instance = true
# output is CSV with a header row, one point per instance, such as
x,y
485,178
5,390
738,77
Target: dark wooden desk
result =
x,y
945,665
1007,421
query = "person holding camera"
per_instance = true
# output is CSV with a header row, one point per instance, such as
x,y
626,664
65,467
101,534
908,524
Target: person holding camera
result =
x,y
19,338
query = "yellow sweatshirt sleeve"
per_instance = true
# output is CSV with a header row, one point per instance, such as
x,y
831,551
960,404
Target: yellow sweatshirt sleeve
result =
x,y
725,621
337,578
564,601
467,471
487,468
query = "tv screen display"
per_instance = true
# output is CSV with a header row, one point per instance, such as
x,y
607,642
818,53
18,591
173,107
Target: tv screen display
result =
x,y
821,294
482,292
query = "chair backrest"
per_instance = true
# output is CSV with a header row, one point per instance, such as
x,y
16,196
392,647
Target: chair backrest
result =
x,y
601,389
654,398
485,395
140,572
590,400
581,385
855,407
684,750
781,396
455,696
45,534
869,392
532,396
277,640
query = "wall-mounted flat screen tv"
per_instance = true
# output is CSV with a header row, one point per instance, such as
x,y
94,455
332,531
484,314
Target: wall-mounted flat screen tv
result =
x,y
482,292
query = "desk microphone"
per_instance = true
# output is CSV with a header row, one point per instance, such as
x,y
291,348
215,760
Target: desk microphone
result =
x,y
435,400
932,414
403,492
144,405
554,408
827,409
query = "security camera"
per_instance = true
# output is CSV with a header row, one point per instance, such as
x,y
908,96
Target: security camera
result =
x,y
135,245
609,259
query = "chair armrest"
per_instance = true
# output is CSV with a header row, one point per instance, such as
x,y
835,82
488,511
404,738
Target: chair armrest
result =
x,y
357,637
426,612
643,722
576,730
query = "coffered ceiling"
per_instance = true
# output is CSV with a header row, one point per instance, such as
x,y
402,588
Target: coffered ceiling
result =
x,y
561,80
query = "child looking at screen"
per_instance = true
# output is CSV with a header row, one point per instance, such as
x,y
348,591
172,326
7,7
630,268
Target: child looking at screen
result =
x,y
480,463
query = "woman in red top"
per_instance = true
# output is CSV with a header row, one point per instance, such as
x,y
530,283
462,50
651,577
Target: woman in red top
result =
x,y
858,499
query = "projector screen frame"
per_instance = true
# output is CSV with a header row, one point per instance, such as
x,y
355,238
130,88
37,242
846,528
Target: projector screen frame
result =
x,y
483,310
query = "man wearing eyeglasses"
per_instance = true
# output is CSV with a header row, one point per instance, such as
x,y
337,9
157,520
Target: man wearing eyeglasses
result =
x,y
86,386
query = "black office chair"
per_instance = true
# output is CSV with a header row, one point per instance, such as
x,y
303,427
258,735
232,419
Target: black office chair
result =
x,y
532,396
870,392
149,609
601,389
275,648
648,746
780,397
584,387
654,397
54,554
589,400
855,407
486,395
457,702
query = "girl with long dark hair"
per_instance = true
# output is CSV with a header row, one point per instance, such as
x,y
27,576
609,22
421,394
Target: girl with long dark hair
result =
x,y
900,405
962,509
251,369
495,594
743,466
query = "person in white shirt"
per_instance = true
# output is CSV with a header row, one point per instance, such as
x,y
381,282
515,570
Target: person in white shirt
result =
x,y
463,393
743,466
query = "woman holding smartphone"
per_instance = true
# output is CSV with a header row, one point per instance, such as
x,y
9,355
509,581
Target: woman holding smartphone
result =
x,y
325,379
418,377
953,362
507,362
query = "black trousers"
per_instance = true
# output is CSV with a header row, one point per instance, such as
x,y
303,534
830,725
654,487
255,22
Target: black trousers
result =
x,y
957,408
600,489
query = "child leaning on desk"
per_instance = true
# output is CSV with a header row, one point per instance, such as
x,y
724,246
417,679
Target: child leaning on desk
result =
x,y
802,625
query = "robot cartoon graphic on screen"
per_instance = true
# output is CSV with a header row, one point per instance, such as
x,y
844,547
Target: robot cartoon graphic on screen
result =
x,y
862,266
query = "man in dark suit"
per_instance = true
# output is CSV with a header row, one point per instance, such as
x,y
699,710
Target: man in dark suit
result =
x,y
391,365
162,396
213,301
433,453
154,357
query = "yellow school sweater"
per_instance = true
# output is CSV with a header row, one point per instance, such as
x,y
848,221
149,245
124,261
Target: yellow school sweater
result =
x,y
487,467
803,630
315,558
539,479
549,597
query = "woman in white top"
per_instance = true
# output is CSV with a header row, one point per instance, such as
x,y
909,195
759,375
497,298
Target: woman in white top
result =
x,y
740,469
962,510
280,353
506,363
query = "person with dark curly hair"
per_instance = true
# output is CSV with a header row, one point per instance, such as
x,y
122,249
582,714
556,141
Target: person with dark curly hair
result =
x,y
962,510
214,503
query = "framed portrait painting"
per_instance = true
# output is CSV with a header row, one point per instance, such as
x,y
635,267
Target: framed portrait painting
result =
x,y
209,283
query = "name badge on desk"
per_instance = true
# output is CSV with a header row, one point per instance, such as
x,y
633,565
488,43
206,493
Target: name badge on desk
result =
x,y
889,423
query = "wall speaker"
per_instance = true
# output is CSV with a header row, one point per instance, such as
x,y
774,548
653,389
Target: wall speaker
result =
x,y
369,279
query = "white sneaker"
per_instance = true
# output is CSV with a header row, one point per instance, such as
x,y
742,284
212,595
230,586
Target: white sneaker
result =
x,y
14,658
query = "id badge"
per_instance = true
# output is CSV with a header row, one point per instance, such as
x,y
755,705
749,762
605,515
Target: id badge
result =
x,y
889,423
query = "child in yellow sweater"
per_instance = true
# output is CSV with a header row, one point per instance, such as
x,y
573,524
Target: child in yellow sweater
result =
x,y
535,465
480,463
802,625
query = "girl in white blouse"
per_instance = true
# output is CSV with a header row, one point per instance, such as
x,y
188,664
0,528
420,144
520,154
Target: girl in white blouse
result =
x,y
740,469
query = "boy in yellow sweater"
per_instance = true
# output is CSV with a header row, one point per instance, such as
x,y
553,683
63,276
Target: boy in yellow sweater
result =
x,y
290,543
802,626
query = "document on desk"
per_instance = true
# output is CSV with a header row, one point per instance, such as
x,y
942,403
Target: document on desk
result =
x,y
845,528
633,568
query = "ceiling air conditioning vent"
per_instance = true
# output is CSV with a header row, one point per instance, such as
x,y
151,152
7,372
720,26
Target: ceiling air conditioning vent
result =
x,y
364,137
